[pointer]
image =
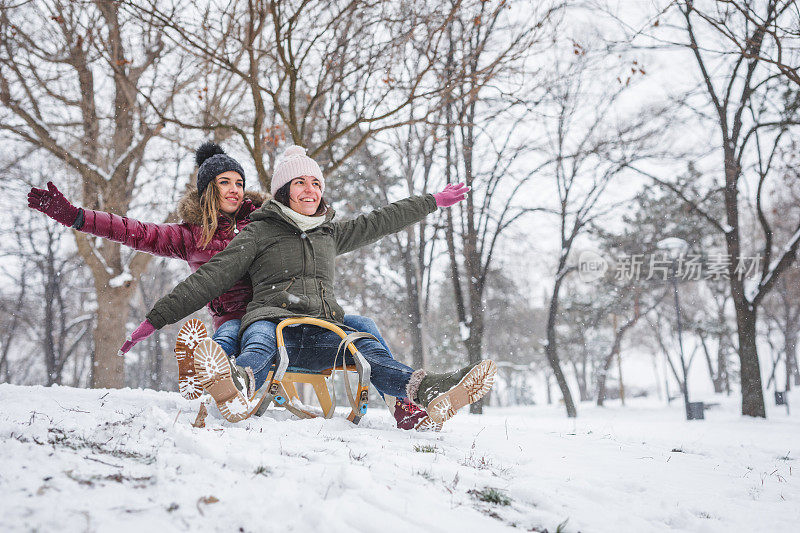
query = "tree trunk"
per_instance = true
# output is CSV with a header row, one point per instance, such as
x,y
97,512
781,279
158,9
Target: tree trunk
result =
x,y
654,359
716,377
548,389
722,366
474,351
585,395
601,378
48,325
675,374
601,384
156,365
474,342
413,290
108,369
794,363
417,336
790,349
580,375
752,391
552,353
723,363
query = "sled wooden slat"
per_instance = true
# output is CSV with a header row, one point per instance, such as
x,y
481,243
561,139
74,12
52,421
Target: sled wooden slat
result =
x,y
316,380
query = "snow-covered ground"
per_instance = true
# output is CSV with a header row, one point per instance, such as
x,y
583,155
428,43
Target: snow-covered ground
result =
x,y
129,460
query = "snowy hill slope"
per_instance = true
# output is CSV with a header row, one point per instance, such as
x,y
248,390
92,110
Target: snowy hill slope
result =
x,y
127,460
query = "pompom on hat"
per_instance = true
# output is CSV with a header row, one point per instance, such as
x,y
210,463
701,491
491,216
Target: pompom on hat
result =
x,y
292,164
212,161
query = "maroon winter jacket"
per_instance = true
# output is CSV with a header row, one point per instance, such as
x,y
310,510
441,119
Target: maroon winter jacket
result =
x,y
182,241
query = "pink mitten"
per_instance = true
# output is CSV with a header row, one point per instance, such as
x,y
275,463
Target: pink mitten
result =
x,y
452,194
144,330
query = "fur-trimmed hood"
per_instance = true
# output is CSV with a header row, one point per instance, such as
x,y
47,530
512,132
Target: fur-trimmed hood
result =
x,y
191,213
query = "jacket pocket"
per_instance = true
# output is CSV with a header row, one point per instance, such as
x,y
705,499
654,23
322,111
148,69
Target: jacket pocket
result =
x,y
284,299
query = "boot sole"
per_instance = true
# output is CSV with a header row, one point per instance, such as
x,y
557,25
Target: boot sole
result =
x,y
470,389
427,424
213,368
189,335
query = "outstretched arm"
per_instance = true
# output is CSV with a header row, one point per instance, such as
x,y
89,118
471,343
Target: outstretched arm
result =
x,y
166,240
208,282
368,228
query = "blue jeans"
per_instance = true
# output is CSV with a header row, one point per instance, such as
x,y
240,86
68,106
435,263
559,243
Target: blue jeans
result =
x,y
314,348
366,325
227,335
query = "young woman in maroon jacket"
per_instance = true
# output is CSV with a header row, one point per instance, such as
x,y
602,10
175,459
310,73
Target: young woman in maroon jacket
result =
x,y
212,215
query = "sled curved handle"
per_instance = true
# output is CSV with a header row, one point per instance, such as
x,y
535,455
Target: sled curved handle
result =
x,y
313,322
360,402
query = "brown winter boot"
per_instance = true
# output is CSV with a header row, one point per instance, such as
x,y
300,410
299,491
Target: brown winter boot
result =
x,y
444,394
214,373
192,332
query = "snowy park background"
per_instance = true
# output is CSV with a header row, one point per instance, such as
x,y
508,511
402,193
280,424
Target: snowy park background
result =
x,y
591,134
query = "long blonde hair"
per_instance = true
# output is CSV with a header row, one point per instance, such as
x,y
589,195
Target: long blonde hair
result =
x,y
210,208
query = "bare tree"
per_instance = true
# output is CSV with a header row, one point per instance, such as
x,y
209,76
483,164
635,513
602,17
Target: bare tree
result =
x,y
11,308
49,310
415,147
742,91
629,311
595,321
782,307
582,337
779,21
713,325
325,75
662,329
72,76
587,149
63,326
660,214
149,369
483,140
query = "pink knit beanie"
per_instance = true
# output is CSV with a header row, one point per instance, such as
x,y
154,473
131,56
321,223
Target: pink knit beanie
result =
x,y
292,164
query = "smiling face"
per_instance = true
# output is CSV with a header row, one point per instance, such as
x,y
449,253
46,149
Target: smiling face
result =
x,y
231,191
305,193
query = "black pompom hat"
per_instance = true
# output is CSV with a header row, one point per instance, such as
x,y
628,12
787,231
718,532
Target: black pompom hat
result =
x,y
212,161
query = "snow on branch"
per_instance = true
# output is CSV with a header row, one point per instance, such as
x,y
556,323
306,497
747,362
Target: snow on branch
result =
x,y
121,279
775,269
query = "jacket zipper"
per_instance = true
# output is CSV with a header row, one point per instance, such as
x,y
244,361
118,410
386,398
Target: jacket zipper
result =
x,y
322,299
330,314
321,291
321,287
303,271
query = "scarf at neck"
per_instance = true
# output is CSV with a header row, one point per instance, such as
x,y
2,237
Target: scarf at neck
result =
x,y
304,222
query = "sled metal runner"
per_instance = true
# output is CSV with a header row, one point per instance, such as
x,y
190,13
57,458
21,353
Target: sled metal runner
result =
x,y
279,388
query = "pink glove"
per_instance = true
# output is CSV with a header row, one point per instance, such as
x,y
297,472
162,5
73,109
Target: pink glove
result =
x,y
452,194
144,330
53,204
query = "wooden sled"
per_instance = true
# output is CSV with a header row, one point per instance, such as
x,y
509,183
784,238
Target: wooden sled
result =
x,y
279,387
322,382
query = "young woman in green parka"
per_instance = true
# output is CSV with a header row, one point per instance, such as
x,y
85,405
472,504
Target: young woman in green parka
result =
x,y
288,251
